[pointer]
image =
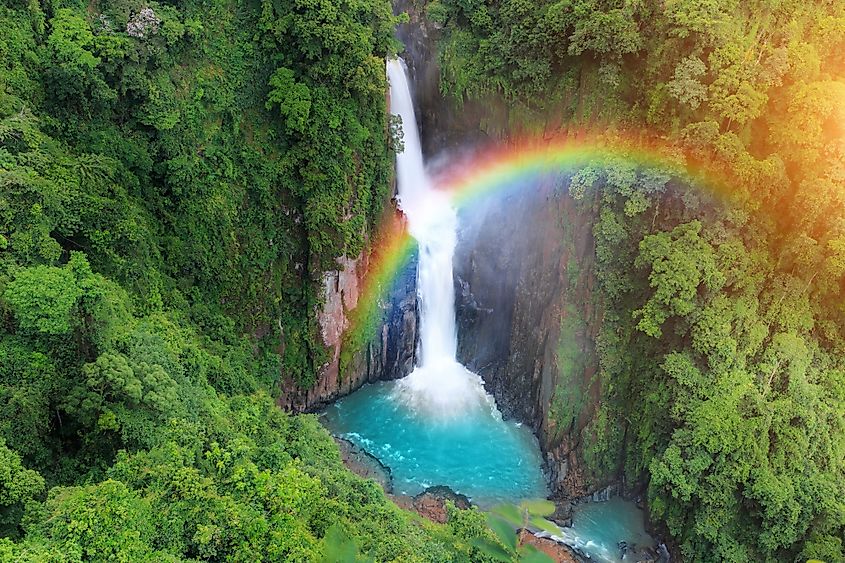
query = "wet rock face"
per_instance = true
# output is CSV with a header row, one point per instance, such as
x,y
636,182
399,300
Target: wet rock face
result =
x,y
562,516
528,315
389,352
558,552
399,332
364,464
498,280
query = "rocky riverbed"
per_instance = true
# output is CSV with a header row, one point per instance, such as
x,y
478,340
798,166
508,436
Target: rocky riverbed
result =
x,y
431,503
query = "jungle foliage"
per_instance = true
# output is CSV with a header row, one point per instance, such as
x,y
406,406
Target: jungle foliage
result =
x,y
723,347
174,178
211,158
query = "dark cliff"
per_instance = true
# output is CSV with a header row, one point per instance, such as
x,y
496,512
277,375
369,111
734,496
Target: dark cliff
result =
x,y
528,314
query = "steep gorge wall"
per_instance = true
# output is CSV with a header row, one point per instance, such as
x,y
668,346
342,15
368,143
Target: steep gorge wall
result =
x,y
527,306
529,315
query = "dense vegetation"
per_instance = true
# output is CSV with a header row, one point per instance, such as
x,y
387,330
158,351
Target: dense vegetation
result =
x,y
723,351
174,177
214,153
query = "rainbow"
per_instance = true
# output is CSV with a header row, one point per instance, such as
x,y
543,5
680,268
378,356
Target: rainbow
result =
x,y
391,251
498,169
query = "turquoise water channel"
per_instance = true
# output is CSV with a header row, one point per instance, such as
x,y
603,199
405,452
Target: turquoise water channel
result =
x,y
475,453
599,528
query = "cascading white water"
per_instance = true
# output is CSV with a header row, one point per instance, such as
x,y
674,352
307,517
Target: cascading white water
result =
x,y
433,223
438,383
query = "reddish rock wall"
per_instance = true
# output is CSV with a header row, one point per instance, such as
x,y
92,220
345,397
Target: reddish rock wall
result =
x,y
389,351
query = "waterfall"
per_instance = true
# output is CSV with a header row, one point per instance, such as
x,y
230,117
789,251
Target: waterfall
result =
x,y
433,223
438,383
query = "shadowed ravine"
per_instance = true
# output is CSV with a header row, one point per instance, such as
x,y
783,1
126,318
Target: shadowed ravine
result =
x,y
438,425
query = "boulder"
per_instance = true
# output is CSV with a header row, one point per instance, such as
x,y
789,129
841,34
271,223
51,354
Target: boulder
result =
x,y
557,551
431,503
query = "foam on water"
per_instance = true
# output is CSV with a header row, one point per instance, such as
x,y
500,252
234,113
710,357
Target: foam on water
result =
x,y
474,452
444,389
598,529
